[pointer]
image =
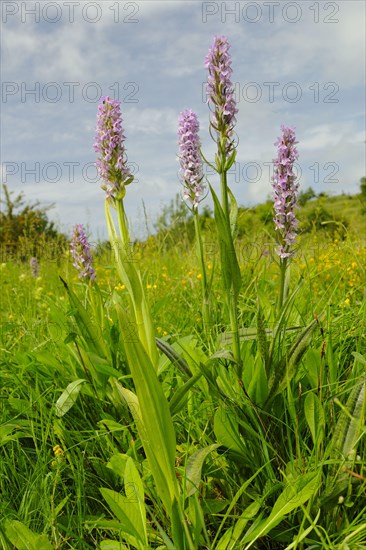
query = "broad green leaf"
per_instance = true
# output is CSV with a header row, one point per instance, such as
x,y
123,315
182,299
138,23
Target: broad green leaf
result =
x,y
11,432
312,366
226,429
124,510
112,545
314,415
177,527
68,398
23,538
135,494
117,464
194,468
258,386
360,358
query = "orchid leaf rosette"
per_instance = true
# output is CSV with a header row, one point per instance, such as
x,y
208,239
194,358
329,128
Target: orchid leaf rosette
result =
x,y
109,144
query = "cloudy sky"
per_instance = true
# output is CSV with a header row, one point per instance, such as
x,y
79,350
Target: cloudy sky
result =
x,y
298,63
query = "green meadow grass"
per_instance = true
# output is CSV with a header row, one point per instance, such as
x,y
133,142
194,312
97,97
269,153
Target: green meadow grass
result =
x,y
256,470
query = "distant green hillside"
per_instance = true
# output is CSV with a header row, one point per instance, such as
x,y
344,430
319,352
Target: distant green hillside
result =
x,y
333,217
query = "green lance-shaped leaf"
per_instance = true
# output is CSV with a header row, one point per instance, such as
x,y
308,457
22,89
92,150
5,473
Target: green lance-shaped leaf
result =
x,y
314,415
230,161
135,494
68,398
235,531
156,426
231,537
130,509
349,423
154,446
131,278
226,427
176,359
87,325
294,495
263,346
194,468
180,397
281,327
233,215
229,262
125,512
283,372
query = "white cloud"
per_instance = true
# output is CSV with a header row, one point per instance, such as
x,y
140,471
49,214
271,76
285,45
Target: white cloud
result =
x,y
163,54
151,121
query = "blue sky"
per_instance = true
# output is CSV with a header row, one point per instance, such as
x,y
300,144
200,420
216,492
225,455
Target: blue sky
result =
x,y
296,63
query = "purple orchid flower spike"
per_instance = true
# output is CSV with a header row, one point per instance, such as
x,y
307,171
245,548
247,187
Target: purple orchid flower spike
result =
x,y
220,92
80,250
285,192
190,158
109,143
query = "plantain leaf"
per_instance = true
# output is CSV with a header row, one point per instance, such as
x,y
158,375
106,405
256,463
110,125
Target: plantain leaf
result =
x,y
23,538
194,468
349,423
112,545
68,398
135,495
226,429
124,510
294,495
314,415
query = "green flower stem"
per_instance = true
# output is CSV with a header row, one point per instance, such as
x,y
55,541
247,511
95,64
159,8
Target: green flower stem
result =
x,y
131,277
123,225
225,195
232,300
206,308
283,283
